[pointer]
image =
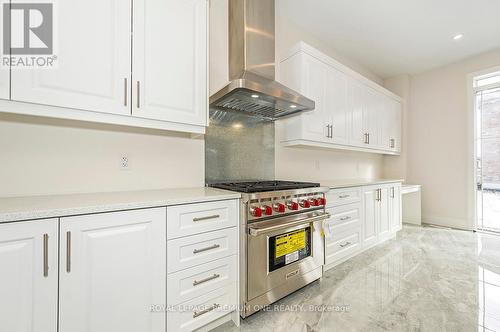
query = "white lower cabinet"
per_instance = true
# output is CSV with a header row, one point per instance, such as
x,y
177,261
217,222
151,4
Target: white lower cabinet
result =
x,y
202,265
373,217
395,208
28,278
112,271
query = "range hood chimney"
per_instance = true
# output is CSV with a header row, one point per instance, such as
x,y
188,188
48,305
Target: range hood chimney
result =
x,y
252,88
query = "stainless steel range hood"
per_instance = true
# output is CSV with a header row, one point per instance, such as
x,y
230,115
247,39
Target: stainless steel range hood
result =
x,y
252,88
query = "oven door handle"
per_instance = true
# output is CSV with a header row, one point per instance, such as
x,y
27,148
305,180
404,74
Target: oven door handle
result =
x,y
256,231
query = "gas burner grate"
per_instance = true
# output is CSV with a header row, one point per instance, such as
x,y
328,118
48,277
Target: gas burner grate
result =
x,y
262,186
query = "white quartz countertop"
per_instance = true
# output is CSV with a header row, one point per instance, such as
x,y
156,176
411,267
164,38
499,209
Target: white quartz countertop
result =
x,y
38,207
346,183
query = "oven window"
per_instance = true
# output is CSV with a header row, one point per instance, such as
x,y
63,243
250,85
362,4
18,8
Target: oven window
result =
x,y
288,248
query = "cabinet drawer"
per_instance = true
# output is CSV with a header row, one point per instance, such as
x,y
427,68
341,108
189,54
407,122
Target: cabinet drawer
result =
x,y
190,283
344,214
338,232
194,314
198,249
342,246
190,219
343,196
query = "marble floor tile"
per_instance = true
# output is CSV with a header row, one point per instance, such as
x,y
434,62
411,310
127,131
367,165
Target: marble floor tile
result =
x,y
427,279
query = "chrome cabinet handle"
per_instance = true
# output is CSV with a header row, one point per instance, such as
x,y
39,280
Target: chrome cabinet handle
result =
x,y
367,138
392,192
197,251
392,143
368,135
68,252
345,244
45,255
329,131
199,313
199,282
345,218
344,196
125,98
138,94
215,216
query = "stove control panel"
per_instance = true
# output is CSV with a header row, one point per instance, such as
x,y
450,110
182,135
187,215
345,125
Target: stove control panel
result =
x,y
260,209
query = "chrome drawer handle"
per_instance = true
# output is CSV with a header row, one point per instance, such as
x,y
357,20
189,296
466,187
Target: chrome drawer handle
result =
x,y
199,313
199,282
197,251
345,218
215,216
345,244
344,196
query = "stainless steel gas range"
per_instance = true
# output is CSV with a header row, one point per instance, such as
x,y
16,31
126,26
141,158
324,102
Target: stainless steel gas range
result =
x,y
281,242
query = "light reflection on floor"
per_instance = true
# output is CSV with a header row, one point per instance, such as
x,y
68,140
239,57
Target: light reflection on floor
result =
x,y
428,279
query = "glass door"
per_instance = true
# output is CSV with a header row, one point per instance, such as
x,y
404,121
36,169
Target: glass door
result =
x,y
488,158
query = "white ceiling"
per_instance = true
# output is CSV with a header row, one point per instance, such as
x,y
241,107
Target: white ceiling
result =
x,y
392,37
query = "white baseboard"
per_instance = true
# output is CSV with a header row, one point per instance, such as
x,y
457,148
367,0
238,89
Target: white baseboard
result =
x,y
462,224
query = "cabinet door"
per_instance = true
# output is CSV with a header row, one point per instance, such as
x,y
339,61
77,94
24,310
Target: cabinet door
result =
x,y
170,60
372,117
370,220
336,105
357,109
315,79
93,60
395,124
112,270
28,281
384,226
395,208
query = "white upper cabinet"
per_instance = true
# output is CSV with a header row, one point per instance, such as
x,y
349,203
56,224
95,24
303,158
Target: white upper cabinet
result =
x,y
170,60
336,105
395,119
138,63
351,112
328,122
112,270
92,44
28,281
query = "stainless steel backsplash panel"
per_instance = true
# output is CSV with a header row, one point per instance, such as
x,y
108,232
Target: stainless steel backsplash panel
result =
x,y
238,147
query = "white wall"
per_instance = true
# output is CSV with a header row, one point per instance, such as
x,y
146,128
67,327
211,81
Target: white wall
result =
x,y
47,156
439,141
318,164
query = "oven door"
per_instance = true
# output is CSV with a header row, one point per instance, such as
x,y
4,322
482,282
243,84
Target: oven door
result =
x,y
282,249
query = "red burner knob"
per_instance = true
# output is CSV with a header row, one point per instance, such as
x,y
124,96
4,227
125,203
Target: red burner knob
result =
x,y
315,202
279,207
293,205
256,212
322,201
268,210
305,204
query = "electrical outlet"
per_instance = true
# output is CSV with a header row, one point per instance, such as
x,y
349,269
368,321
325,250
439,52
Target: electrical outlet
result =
x,y
124,163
